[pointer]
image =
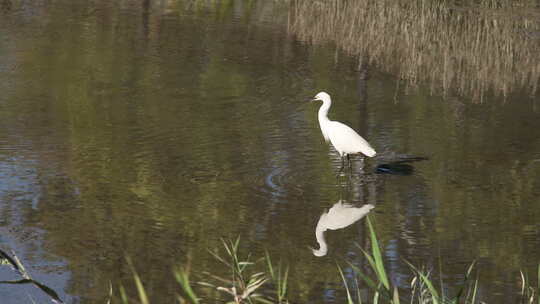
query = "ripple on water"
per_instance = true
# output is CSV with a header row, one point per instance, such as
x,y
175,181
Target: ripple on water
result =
x,y
284,181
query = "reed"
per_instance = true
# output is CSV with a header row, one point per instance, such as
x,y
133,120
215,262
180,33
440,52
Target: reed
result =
x,y
278,276
248,283
530,294
423,290
471,49
242,285
245,284
182,277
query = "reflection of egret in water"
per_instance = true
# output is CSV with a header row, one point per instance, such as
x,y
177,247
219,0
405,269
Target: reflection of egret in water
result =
x,y
339,216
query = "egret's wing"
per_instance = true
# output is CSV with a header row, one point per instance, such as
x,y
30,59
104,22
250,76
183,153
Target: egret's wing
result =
x,y
343,215
322,224
346,139
339,216
358,213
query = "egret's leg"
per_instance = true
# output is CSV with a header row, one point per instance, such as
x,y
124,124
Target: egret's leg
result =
x,y
342,166
350,164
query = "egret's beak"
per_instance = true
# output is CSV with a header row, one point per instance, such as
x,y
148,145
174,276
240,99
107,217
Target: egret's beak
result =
x,y
314,99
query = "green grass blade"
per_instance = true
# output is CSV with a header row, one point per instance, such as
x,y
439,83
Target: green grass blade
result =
x,y
183,279
433,292
523,283
358,295
242,265
373,264
236,243
252,287
469,270
377,256
140,289
364,277
110,293
538,287
474,291
349,298
262,300
276,276
374,286
376,298
465,283
371,261
269,265
283,285
217,257
123,295
138,283
395,299
226,245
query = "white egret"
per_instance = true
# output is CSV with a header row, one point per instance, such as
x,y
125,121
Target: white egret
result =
x,y
344,139
339,216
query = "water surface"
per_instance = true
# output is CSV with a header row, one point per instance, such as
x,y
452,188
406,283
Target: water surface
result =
x,y
155,129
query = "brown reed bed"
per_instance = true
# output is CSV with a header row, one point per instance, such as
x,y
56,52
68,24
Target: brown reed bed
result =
x,y
467,47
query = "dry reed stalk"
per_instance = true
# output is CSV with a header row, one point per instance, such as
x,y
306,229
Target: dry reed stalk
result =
x,y
472,49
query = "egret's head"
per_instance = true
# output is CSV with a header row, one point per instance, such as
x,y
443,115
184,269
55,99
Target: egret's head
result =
x,y
322,96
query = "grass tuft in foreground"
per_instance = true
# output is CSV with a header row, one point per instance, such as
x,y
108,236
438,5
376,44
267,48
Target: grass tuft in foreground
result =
x,y
245,284
248,284
423,289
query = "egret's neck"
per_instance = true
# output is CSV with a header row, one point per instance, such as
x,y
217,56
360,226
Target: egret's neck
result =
x,y
323,248
323,110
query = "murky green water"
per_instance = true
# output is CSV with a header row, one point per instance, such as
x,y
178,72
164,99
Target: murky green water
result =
x,y
154,129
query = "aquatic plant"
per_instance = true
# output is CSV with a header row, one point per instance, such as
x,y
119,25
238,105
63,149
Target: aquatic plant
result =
x,y
249,285
530,294
423,289
243,283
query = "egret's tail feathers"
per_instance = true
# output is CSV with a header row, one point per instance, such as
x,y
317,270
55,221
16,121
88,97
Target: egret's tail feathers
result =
x,y
370,152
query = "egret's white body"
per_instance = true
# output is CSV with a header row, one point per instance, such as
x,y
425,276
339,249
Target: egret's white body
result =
x,y
344,139
339,216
